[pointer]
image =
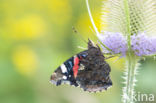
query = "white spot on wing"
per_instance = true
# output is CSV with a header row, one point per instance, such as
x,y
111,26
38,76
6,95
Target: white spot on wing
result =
x,y
81,67
63,68
64,77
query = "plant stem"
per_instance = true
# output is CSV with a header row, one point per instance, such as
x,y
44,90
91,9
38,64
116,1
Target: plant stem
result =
x,y
128,26
131,62
131,69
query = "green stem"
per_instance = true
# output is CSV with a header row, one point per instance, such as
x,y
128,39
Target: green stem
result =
x,y
132,65
128,26
131,61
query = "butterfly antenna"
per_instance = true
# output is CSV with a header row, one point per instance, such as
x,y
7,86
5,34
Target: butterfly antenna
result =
x,y
75,31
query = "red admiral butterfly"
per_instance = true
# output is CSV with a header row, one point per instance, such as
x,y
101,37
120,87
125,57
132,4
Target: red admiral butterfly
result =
x,y
88,69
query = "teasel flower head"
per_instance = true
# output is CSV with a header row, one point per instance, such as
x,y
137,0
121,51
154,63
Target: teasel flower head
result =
x,y
128,24
133,22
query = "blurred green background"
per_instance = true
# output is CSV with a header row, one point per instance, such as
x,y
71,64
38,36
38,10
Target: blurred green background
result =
x,y
36,37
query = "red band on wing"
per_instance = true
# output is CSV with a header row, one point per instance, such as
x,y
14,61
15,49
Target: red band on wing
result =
x,y
76,66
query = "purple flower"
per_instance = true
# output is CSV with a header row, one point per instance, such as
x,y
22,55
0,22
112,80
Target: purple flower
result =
x,y
117,43
114,41
143,45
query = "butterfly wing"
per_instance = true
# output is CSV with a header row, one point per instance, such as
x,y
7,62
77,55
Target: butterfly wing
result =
x,y
64,74
95,75
88,69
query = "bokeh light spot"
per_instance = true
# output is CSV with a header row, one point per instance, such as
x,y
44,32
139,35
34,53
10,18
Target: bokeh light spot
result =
x,y
29,27
25,60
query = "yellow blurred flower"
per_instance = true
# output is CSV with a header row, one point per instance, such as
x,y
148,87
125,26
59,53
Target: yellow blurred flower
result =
x,y
61,11
24,60
28,27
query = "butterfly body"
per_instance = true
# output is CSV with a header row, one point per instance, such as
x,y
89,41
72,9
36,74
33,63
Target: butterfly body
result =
x,y
88,69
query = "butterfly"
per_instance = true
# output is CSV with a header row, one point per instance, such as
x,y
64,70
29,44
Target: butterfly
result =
x,y
87,69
